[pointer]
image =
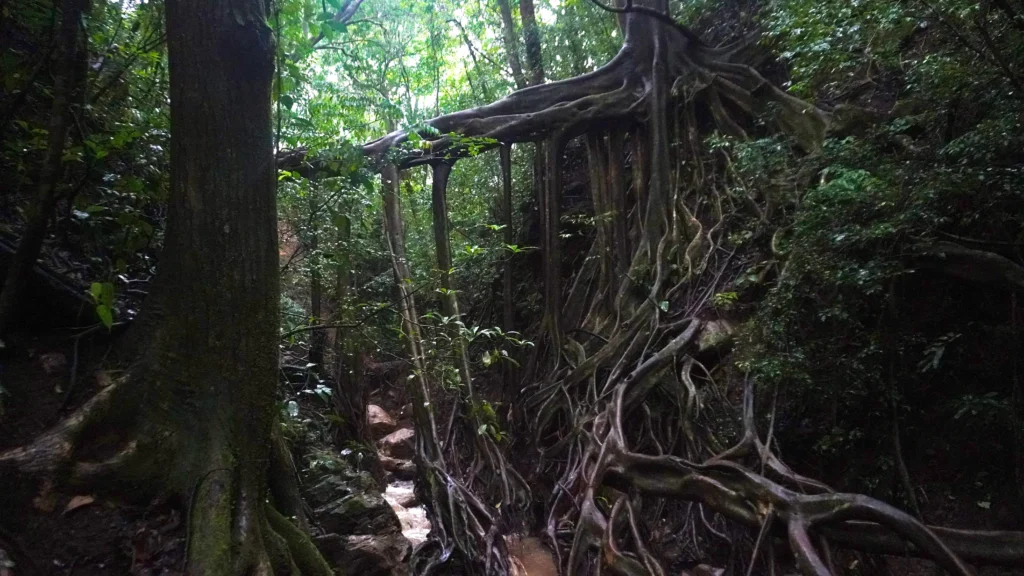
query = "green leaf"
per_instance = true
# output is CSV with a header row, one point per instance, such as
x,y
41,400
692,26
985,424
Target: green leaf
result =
x,y
107,296
106,316
336,26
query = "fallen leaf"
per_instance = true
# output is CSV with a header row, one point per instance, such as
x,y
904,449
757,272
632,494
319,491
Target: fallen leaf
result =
x,y
77,502
984,505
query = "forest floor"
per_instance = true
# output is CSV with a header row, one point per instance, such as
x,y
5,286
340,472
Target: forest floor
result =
x,y
47,531
51,532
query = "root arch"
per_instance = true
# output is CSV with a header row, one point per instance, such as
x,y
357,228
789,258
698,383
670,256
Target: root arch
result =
x,y
614,397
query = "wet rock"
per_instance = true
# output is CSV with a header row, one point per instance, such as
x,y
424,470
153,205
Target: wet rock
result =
x,y
401,469
339,484
401,495
380,422
399,444
366,555
6,564
346,501
402,498
408,501
358,513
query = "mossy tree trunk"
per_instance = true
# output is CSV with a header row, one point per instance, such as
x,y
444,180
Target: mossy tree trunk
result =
x,y
196,413
214,351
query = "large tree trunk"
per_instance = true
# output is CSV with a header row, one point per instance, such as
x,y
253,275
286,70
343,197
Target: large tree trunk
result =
x,y
216,343
531,36
68,81
508,35
196,413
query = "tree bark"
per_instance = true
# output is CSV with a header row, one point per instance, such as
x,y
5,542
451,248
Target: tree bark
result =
x,y
531,36
214,353
423,411
42,207
508,29
442,247
350,394
507,308
316,289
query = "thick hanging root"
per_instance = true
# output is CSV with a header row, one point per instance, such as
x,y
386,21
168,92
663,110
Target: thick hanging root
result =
x,y
580,419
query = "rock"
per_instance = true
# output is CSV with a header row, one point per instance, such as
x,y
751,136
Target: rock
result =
x,y
717,335
380,422
399,444
909,107
408,501
358,513
407,410
852,120
401,469
7,565
347,501
402,495
338,485
366,555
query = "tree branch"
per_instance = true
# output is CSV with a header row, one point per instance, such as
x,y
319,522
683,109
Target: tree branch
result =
x,y
690,35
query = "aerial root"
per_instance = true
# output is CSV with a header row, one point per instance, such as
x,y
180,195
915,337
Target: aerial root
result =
x,y
811,521
640,343
806,513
